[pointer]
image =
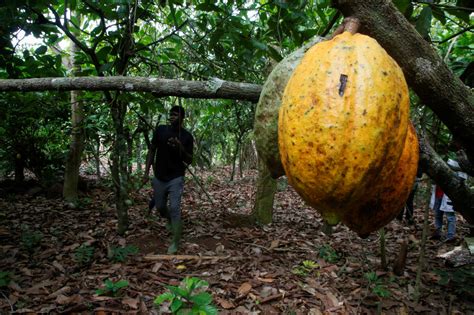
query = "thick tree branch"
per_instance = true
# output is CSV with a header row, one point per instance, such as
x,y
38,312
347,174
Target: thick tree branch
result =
x,y
212,89
426,73
431,79
460,194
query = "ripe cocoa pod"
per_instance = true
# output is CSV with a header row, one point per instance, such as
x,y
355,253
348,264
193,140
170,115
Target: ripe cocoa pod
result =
x,y
390,195
343,118
266,113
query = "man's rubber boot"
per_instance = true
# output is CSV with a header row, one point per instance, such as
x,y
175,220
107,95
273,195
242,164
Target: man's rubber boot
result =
x,y
176,230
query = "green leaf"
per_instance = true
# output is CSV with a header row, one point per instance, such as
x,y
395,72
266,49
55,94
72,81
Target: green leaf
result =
x,y
258,44
121,284
72,4
322,4
75,21
109,283
41,50
101,291
209,309
202,298
402,5
423,23
178,291
198,283
282,4
96,31
465,3
176,305
439,15
208,7
461,14
167,296
106,67
103,53
274,54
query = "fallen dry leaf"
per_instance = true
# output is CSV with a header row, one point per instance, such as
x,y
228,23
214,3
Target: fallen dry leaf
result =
x,y
132,303
63,290
225,303
244,288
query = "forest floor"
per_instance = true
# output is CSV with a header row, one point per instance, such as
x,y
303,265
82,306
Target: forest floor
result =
x,y
287,267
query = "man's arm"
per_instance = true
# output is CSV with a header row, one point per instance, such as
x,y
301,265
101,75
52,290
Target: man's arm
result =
x,y
185,150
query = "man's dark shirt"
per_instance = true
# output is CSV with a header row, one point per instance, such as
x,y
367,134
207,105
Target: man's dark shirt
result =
x,y
169,160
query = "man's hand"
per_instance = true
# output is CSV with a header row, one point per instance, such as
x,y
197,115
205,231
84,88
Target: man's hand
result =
x,y
174,142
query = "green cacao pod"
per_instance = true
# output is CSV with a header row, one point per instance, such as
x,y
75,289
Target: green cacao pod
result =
x,y
266,113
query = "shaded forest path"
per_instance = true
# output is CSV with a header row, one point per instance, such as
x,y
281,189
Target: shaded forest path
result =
x,y
259,270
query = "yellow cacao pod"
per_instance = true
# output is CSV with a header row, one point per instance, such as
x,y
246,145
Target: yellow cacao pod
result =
x,y
390,194
344,117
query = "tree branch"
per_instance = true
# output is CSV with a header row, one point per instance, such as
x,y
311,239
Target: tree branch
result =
x,y
458,191
455,34
163,38
425,71
212,89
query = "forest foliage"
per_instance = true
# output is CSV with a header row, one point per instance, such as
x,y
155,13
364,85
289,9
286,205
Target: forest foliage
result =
x,y
189,40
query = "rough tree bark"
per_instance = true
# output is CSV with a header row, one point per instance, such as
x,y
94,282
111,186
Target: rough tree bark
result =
x,y
262,212
457,190
433,82
211,89
424,69
76,147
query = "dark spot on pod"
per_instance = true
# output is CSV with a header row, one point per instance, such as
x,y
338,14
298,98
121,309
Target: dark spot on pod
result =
x,y
342,84
385,73
311,144
309,110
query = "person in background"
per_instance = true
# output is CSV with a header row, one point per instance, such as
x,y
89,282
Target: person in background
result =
x,y
171,150
442,206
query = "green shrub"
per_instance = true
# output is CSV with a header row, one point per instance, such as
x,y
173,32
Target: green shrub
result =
x,y
376,285
329,254
30,240
461,279
112,288
120,254
5,278
306,267
188,298
84,254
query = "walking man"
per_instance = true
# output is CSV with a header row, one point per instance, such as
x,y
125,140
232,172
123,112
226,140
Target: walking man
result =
x,y
171,150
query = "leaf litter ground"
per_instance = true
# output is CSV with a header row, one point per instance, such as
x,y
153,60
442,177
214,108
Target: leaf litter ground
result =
x,y
288,267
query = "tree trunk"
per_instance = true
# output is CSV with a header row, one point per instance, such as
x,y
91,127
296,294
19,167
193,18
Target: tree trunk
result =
x,y
139,149
457,189
119,169
433,82
74,157
129,139
234,160
266,188
97,157
19,168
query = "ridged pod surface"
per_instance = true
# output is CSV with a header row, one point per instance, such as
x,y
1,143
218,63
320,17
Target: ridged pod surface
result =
x,y
266,113
391,194
344,117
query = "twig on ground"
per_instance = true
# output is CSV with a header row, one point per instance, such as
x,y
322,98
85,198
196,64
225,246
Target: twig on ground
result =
x,y
188,257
